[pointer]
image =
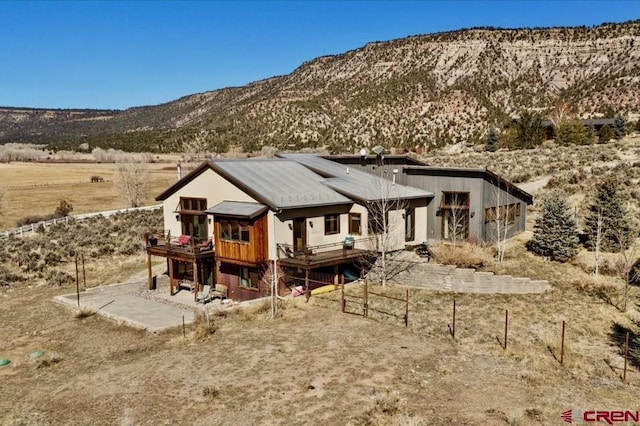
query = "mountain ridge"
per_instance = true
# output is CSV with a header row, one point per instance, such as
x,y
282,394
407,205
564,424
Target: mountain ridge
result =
x,y
421,90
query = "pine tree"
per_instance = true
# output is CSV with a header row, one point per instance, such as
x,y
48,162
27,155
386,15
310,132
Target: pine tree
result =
x,y
491,144
619,127
605,134
572,132
616,228
555,233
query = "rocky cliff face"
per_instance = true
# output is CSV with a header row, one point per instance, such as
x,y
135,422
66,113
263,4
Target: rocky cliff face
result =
x,y
422,90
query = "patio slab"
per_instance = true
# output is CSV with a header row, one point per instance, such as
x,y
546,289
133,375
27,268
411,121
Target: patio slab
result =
x,y
124,303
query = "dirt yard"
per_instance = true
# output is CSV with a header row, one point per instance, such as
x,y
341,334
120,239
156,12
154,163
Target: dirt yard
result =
x,y
315,365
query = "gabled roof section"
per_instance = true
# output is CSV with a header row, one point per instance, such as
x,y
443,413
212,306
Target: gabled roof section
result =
x,y
240,209
485,174
356,184
278,184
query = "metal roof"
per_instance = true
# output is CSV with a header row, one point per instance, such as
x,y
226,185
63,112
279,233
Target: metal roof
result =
x,y
354,183
238,209
278,183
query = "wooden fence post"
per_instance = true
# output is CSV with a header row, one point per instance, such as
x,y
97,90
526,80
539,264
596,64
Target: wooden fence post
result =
x,y
506,324
562,344
365,306
77,283
342,301
406,310
626,357
84,274
453,326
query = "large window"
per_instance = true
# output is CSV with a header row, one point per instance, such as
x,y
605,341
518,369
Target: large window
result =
x,y
454,209
245,279
331,224
355,223
506,214
234,230
192,217
410,224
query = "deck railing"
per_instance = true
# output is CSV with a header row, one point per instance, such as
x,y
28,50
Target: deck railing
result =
x,y
288,251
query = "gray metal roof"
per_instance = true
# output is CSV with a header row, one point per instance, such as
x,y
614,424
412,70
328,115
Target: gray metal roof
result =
x,y
237,209
356,184
280,184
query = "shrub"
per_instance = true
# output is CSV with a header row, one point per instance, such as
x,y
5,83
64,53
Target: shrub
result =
x,y
57,278
462,255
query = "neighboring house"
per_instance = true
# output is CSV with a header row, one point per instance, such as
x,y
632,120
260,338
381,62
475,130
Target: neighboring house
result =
x,y
591,123
469,203
310,214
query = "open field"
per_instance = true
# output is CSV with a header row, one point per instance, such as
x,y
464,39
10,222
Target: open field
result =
x,y
37,188
315,365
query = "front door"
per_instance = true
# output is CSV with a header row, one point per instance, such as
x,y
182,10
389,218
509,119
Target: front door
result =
x,y
299,233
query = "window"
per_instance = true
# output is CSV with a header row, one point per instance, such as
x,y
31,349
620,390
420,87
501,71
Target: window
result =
x,y
410,224
233,230
331,224
355,223
454,209
507,213
193,218
245,279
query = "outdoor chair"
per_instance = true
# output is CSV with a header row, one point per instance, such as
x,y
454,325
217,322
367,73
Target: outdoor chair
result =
x,y
184,240
219,292
205,295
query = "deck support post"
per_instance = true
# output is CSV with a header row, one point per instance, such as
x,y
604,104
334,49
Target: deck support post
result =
x,y
196,283
149,271
307,292
171,283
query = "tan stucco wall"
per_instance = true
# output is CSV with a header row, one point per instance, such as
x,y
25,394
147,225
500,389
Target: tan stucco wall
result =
x,y
209,185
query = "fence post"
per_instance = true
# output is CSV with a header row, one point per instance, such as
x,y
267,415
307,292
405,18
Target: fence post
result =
x,y
365,306
453,326
77,283
506,323
84,274
343,305
562,344
406,310
626,357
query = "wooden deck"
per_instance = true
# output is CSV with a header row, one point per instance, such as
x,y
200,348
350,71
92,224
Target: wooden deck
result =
x,y
323,259
178,252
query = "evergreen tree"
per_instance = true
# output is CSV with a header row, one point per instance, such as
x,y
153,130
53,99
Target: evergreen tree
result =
x,y
638,126
572,132
605,134
491,144
616,228
529,130
555,233
619,127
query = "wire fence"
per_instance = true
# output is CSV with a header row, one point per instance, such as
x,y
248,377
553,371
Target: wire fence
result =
x,y
399,307
33,227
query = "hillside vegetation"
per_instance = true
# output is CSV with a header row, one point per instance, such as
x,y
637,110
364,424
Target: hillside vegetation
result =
x,y
424,90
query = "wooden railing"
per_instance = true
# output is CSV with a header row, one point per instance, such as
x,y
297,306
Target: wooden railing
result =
x,y
287,250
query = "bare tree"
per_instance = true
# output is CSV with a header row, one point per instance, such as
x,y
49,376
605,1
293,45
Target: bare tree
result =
x,y
626,260
383,225
456,216
132,179
271,279
502,216
196,146
598,241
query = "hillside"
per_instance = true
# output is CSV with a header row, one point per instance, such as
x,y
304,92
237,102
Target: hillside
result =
x,y
422,90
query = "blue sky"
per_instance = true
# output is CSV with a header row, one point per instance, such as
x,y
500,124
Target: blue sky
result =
x,y
120,54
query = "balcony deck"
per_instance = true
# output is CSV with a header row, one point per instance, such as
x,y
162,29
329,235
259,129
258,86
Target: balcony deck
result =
x,y
188,253
320,256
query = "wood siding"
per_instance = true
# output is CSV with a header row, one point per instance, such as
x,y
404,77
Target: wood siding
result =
x,y
253,252
229,275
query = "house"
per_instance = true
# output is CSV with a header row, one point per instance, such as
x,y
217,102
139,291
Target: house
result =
x,y
311,215
468,203
591,123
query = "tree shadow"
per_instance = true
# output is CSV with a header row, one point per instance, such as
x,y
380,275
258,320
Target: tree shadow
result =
x,y
618,336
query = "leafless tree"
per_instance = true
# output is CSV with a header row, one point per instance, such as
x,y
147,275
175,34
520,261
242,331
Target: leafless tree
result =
x,y
196,146
627,257
132,179
271,277
599,222
384,223
457,220
502,217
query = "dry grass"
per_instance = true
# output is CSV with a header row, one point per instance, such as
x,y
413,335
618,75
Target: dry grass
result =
x,y
463,255
37,188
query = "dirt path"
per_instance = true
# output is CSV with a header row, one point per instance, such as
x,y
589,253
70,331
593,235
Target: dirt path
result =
x,y
534,185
